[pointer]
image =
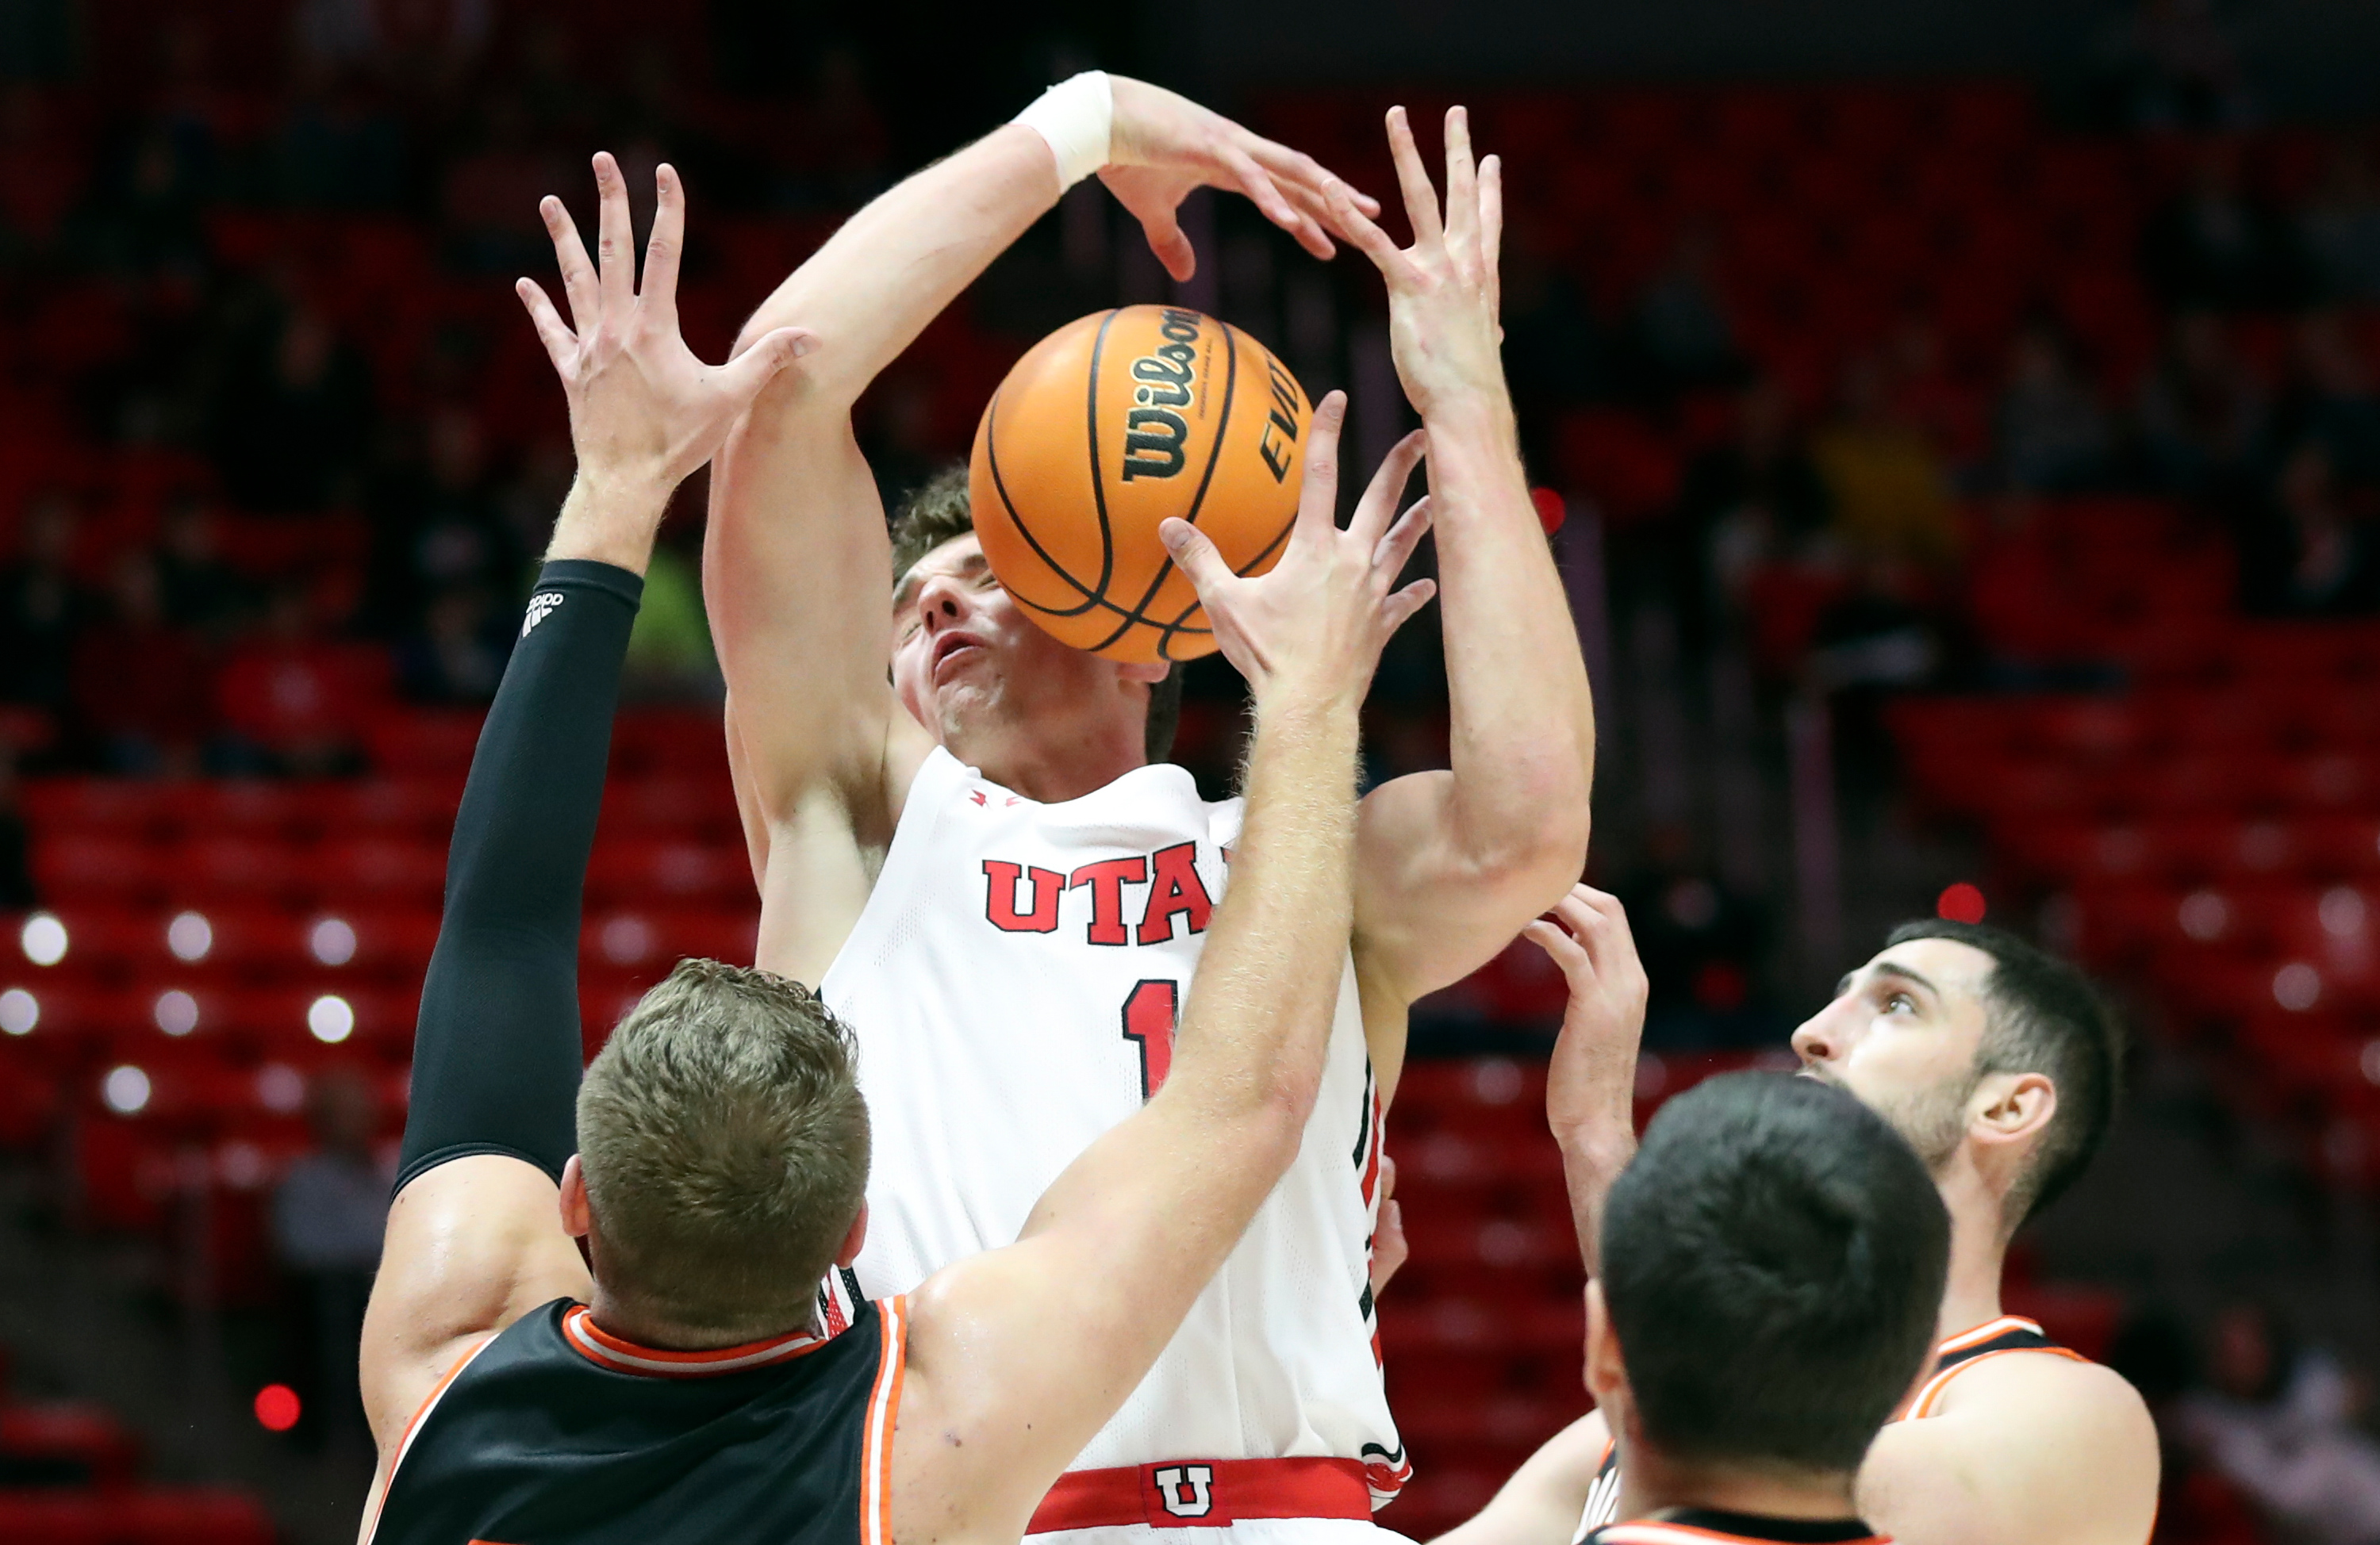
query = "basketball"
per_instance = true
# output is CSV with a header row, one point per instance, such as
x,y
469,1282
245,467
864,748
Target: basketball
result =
x,y
1107,426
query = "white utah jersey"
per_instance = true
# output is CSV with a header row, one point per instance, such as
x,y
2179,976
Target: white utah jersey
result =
x,y
1013,983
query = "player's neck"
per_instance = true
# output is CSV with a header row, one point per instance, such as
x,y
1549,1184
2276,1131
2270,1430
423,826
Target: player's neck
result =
x,y
1054,763
1653,1482
1971,1293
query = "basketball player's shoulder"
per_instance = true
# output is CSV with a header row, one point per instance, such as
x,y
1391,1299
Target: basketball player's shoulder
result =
x,y
2034,1443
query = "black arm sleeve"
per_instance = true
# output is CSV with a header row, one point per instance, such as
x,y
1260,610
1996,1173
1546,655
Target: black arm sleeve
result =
x,y
496,1054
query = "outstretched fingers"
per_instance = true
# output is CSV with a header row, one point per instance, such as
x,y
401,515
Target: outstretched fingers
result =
x,y
659,292
1379,506
744,375
1462,183
578,286
1393,551
1267,195
1412,179
1194,553
1317,501
1362,235
1399,608
560,343
1491,235
1558,943
614,235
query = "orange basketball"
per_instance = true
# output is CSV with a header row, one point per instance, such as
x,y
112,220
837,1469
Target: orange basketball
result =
x,y
1110,424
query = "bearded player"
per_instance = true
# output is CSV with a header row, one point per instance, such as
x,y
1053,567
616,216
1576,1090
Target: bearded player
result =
x,y
1999,1066
964,833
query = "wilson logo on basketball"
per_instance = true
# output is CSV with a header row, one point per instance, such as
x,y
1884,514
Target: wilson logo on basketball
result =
x,y
1153,432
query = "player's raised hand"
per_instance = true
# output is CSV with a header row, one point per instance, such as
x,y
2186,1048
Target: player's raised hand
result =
x,y
644,410
1591,1083
1442,290
1318,618
1162,145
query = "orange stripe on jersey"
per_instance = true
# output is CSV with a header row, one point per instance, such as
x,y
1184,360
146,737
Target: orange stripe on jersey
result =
x,y
1688,1534
603,1348
413,1427
1924,1404
1985,1331
883,1416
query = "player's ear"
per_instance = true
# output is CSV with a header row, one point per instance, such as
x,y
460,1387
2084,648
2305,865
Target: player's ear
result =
x,y
852,1241
2013,1107
575,1216
1606,1375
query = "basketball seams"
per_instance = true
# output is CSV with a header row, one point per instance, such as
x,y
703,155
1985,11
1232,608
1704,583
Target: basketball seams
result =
x,y
1139,613
1092,599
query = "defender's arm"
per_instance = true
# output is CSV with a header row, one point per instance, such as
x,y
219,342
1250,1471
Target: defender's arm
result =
x,y
1591,1082
1019,1355
475,1236
2031,1448
1453,863
1543,1502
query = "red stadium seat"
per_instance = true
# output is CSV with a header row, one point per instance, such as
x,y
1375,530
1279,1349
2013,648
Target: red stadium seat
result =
x,y
66,1442
91,804
423,742
417,805
386,870
630,871
71,867
249,868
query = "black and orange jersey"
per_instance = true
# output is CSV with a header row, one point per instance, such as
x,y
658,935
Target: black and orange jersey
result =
x,y
1704,1526
555,1432
1994,1338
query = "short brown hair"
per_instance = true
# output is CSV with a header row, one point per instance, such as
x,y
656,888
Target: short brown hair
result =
x,y
2041,1015
938,510
725,1146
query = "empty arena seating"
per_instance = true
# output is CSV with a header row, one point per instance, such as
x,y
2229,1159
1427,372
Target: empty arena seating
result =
x,y
2209,833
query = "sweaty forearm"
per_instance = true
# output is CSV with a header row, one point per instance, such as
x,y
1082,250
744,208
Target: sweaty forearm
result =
x,y
496,1054
1591,1162
1268,978
1523,728
895,265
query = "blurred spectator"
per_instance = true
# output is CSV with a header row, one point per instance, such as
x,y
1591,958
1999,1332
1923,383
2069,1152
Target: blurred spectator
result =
x,y
2052,434
2339,227
199,591
336,147
1555,351
492,194
41,608
2330,400
839,153
458,653
2203,418
1884,477
2214,245
142,686
1680,325
2280,1423
1928,395
328,1215
290,701
1755,500
2176,68
2307,553
1700,943
293,415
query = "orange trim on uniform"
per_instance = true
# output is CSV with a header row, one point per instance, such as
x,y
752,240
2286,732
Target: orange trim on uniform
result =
x,y
603,1349
883,1416
413,1427
1985,1331
1650,1533
1924,1404
1206,1493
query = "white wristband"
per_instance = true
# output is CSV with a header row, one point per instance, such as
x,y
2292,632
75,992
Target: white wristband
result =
x,y
1077,117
